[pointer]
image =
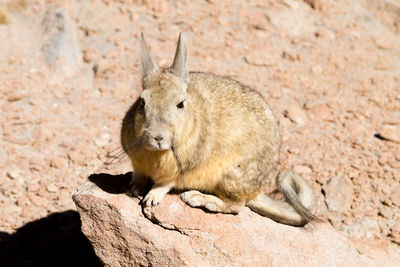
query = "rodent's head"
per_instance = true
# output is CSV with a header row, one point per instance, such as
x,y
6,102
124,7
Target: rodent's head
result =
x,y
162,106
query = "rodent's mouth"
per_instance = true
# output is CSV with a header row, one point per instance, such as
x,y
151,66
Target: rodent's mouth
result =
x,y
157,146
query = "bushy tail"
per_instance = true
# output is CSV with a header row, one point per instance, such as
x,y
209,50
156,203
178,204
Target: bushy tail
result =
x,y
299,198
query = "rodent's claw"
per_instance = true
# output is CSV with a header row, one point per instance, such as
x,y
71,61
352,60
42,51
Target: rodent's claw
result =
x,y
154,197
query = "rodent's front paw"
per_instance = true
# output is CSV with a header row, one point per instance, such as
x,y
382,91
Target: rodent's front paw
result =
x,y
153,198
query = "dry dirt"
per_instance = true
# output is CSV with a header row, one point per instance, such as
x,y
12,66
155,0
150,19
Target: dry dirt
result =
x,y
330,71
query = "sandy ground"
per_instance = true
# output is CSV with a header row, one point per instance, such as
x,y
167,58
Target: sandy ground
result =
x,y
329,70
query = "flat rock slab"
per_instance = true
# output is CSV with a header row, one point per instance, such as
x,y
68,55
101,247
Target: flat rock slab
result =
x,y
174,234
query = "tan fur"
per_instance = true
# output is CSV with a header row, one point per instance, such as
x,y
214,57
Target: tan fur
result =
x,y
211,135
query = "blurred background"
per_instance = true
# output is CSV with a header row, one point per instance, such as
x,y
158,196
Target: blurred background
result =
x,y
329,70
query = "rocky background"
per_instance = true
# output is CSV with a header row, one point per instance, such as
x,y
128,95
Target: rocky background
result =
x,y
330,71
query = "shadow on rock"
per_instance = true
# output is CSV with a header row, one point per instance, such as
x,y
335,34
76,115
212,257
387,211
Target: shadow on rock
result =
x,y
55,240
113,184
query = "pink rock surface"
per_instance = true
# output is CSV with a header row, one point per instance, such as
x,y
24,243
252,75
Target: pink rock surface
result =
x,y
173,234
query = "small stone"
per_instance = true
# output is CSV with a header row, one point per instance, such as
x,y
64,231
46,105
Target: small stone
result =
x,y
103,140
386,212
325,33
397,154
58,163
275,92
12,210
338,194
64,198
89,54
395,195
52,188
390,133
258,20
321,112
363,228
384,42
17,95
396,228
33,187
382,63
302,169
14,172
23,200
77,157
317,69
36,200
297,115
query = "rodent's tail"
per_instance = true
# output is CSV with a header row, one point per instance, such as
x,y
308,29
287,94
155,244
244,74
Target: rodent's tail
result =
x,y
299,198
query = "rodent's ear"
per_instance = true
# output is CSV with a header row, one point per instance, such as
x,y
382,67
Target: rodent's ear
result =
x,y
147,64
180,65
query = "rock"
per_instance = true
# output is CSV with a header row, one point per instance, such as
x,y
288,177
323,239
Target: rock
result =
x,y
14,172
275,92
390,133
297,115
89,54
102,140
254,57
52,188
384,42
363,228
258,20
321,112
174,234
77,157
302,170
338,194
317,69
395,195
64,198
58,163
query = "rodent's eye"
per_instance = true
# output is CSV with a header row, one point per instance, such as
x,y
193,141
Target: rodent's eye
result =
x,y
181,104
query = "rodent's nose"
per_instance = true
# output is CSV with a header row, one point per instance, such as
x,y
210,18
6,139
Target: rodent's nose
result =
x,y
158,138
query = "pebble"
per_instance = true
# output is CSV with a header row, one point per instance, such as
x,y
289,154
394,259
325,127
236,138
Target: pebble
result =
x,y
321,112
302,169
89,54
258,20
23,200
395,195
363,228
384,42
338,194
317,69
64,198
34,187
296,115
390,133
14,172
103,140
58,163
275,92
52,188
77,157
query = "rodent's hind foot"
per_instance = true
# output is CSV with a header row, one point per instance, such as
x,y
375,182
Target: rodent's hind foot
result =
x,y
196,199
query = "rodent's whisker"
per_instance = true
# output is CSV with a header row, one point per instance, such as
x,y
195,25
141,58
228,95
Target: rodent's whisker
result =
x,y
99,161
113,157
